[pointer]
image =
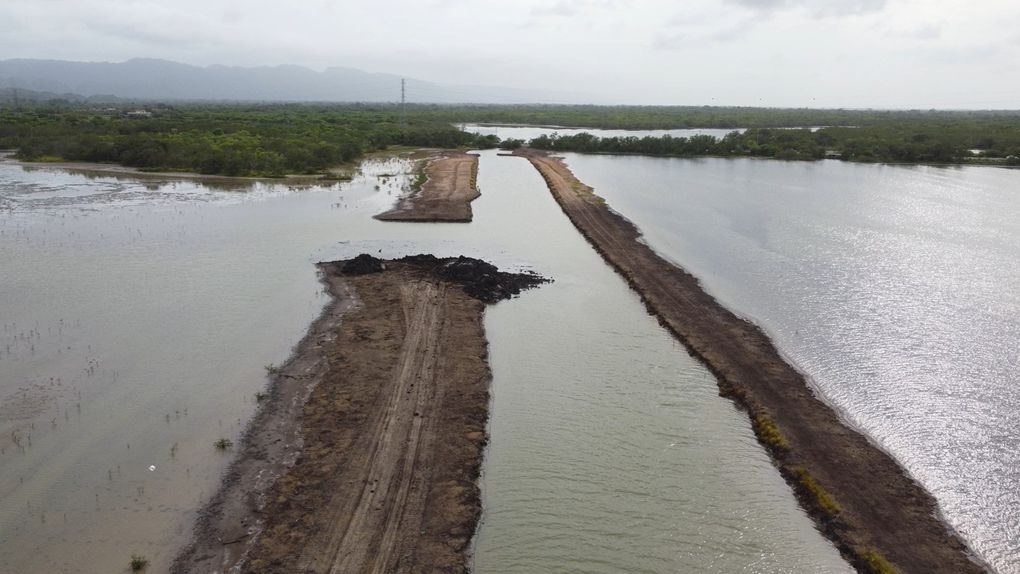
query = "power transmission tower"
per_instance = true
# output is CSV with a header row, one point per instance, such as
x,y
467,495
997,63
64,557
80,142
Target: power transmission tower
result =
x,y
403,104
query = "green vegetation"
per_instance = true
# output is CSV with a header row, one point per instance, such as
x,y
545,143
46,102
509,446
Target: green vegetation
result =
x,y
138,563
893,142
768,433
223,444
821,499
420,177
261,396
873,563
272,369
678,117
234,140
273,140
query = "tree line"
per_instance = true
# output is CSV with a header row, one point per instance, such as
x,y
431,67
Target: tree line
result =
x,y
277,139
235,140
894,143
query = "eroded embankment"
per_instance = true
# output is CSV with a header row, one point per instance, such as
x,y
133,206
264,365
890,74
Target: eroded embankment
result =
x,y
859,496
445,195
367,455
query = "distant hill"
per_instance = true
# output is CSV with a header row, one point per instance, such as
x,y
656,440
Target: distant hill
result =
x,y
149,79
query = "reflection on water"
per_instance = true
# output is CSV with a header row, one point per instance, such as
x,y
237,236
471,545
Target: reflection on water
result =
x,y
138,318
897,289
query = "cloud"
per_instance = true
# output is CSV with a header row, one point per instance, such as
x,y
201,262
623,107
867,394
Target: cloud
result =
x,y
697,27
694,39
572,7
920,32
816,8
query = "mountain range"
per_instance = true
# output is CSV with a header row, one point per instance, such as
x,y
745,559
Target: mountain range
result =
x,y
163,80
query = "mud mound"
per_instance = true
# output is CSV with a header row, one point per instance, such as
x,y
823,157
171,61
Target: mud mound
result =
x,y
479,279
362,265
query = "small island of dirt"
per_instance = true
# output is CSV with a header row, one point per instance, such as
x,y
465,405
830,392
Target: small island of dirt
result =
x,y
446,194
366,455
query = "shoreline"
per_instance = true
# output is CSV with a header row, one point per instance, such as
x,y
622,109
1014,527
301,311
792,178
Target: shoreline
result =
x,y
117,170
366,456
860,498
444,196
337,174
966,163
229,522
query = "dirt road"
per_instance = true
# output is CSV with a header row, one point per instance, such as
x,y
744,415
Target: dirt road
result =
x,y
858,495
446,194
384,475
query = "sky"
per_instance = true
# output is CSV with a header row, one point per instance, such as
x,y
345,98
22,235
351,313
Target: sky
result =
x,y
797,53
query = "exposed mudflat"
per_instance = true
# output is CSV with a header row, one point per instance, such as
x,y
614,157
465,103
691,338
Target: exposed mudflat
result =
x,y
860,497
446,194
367,454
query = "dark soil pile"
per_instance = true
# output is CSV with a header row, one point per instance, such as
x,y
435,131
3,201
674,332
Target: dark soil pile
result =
x,y
362,265
479,279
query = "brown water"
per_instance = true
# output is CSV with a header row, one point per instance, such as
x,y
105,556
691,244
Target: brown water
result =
x,y
136,320
611,450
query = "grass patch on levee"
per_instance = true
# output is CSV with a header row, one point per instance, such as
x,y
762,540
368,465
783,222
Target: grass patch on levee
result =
x,y
821,499
420,177
873,563
768,433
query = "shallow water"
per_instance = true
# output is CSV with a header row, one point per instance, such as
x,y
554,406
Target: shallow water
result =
x,y
896,289
610,448
135,323
137,319
528,133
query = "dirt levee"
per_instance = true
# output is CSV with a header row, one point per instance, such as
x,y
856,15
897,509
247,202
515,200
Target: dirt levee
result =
x,y
445,195
391,433
859,496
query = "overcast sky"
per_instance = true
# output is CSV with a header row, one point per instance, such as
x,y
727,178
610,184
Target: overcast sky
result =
x,y
817,53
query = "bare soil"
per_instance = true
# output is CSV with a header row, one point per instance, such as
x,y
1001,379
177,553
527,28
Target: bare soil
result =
x,y
859,496
367,455
445,196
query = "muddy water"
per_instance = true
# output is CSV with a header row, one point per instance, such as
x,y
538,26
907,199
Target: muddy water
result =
x,y
896,289
135,323
136,319
610,449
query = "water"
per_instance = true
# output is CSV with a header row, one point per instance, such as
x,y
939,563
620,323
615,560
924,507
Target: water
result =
x,y
896,289
528,133
611,450
137,318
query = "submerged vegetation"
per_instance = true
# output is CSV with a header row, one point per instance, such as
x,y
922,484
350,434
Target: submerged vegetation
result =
x,y
272,140
138,563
